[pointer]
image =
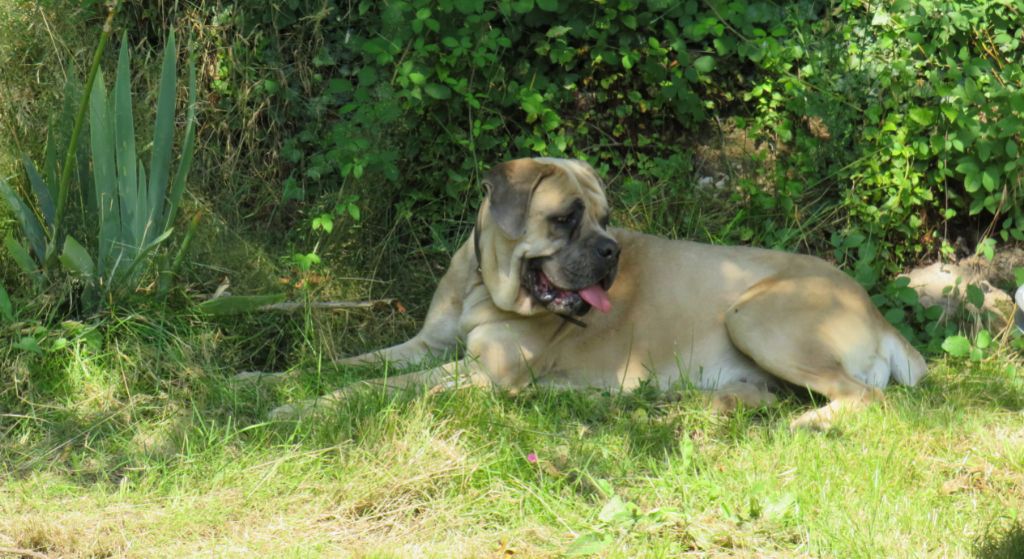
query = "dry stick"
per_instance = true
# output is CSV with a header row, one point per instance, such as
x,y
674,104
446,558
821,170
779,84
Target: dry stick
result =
x,y
289,306
23,552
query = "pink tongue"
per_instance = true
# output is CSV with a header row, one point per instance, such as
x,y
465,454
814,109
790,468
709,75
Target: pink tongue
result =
x,y
597,297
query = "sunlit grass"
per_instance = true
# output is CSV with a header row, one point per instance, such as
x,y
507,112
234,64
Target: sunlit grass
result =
x,y
185,465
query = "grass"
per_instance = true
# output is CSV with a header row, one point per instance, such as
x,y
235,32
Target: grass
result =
x,y
145,450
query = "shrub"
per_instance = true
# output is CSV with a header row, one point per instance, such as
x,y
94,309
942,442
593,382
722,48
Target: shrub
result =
x,y
130,214
899,121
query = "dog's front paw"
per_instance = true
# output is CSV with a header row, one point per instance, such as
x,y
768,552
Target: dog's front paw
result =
x,y
305,408
257,377
814,420
292,412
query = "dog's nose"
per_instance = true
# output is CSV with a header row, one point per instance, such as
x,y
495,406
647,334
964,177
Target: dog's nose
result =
x,y
606,248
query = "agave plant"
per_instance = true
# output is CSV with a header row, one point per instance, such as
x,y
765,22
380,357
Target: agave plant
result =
x,y
133,210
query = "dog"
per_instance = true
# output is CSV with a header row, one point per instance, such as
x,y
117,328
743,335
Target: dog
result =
x,y
545,292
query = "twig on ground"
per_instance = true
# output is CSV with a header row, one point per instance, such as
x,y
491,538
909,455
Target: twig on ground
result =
x,y
290,306
19,552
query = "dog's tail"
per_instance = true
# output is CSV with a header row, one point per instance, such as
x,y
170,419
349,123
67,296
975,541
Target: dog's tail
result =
x,y
906,365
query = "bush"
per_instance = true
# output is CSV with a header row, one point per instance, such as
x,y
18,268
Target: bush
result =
x,y
889,121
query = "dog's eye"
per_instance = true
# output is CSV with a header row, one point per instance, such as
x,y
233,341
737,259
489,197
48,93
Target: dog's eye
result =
x,y
566,220
570,217
604,221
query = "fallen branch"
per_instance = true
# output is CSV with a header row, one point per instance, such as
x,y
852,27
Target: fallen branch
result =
x,y
290,306
17,551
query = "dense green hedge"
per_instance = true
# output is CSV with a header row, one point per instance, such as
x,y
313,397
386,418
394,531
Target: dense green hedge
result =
x,y
893,123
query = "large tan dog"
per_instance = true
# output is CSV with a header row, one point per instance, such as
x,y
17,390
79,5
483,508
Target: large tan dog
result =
x,y
545,292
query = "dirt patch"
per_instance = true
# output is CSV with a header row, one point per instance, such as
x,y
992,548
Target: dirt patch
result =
x,y
729,155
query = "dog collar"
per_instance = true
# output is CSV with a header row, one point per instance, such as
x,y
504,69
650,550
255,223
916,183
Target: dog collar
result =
x,y
573,320
476,248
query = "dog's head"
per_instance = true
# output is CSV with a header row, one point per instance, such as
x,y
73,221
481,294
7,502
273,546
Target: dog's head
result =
x,y
542,240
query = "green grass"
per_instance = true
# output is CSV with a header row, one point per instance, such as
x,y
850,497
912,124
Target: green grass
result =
x,y
143,449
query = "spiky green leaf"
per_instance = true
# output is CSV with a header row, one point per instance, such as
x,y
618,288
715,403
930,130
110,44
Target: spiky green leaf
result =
x,y
142,227
139,259
23,259
124,149
187,149
27,219
41,190
58,134
76,259
163,137
50,158
104,174
6,308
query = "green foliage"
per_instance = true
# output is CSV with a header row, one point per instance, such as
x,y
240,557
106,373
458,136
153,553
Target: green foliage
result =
x,y
418,97
961,346
888,119
948,130
361,129
917,106
616,519
135,212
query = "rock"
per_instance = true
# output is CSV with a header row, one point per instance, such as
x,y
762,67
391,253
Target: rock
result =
x,y
945,285
1018,316
999,270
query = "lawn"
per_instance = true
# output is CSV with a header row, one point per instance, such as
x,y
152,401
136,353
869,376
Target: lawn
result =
x,y
192,470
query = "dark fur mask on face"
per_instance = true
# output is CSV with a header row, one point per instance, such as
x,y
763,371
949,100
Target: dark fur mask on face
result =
x,y
553,205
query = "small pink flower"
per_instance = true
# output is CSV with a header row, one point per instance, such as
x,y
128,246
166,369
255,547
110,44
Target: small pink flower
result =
x,y
531,457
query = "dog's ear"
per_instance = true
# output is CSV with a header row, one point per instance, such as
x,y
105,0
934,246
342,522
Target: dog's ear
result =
x,y
510,186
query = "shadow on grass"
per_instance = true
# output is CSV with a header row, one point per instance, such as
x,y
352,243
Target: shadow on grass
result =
x,y
1002,544
204,412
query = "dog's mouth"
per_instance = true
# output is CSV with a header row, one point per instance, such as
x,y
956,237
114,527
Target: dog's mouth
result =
x,y
563,300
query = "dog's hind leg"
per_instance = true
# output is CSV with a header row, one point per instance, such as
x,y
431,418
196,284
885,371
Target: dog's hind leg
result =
x,y
817,331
